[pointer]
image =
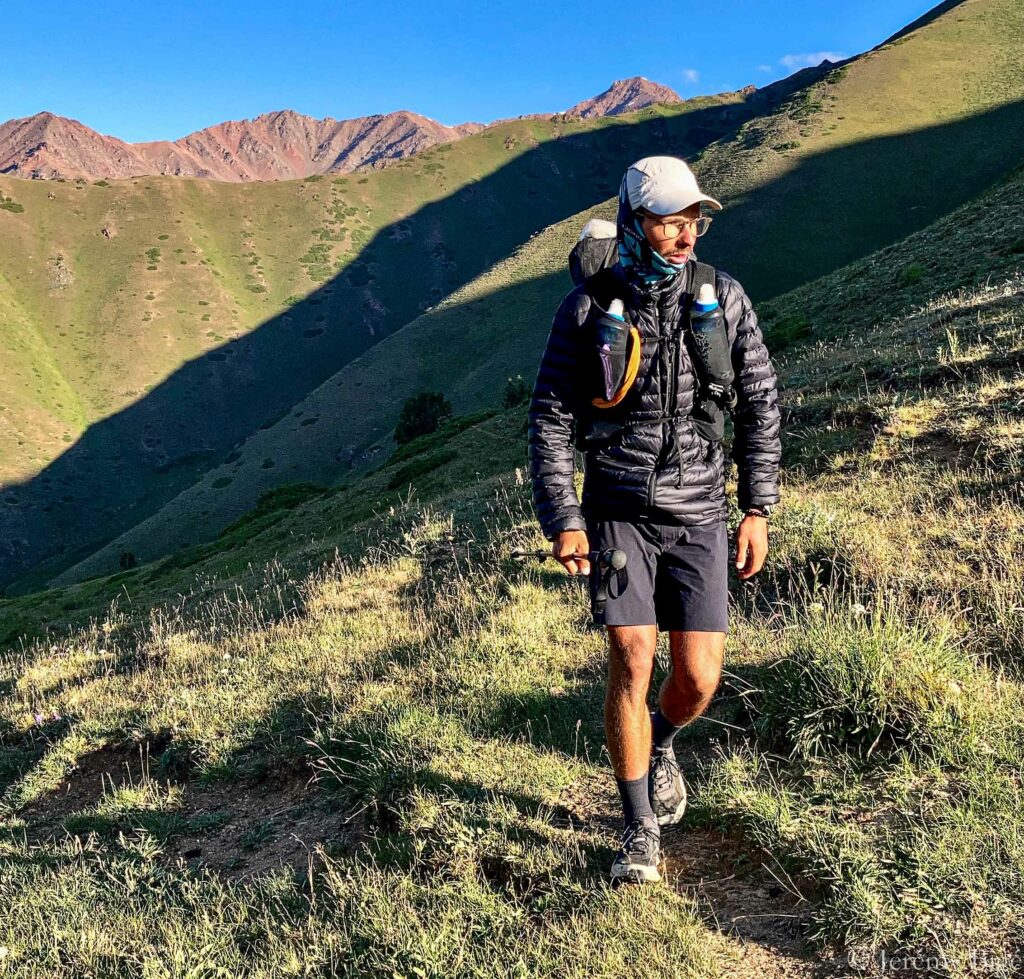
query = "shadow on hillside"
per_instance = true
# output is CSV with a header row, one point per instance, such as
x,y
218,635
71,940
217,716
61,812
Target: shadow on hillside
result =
x,y
127,466
841,205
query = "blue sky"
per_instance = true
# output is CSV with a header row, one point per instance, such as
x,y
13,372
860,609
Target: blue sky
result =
x,y
142,72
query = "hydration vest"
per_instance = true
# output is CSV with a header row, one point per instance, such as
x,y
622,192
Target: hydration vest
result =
x,y
590,264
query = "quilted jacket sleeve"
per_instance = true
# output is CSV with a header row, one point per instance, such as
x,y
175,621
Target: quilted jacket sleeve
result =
x,y
757,448
551,421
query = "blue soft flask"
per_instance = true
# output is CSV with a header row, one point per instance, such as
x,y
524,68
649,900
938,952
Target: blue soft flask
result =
x,y
712,364
612,341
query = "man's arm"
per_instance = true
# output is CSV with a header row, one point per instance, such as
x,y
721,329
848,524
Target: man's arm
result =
x,y
551,429
757,448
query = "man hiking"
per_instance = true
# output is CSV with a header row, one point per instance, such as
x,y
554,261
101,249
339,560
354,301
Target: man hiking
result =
x,y
647,411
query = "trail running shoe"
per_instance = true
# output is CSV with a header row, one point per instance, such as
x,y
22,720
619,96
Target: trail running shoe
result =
x,y
638,859
667,788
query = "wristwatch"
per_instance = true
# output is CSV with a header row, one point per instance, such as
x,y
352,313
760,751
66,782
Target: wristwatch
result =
x,y
759,511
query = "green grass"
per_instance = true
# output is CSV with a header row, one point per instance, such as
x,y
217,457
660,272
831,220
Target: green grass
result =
x,y
450,836
447,701
863,681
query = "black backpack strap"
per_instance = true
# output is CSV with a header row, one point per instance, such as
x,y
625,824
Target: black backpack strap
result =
x,y
703,275
603,286
714,393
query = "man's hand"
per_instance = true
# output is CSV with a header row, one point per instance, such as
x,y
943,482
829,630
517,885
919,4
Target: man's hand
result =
x,y
571,547
751,546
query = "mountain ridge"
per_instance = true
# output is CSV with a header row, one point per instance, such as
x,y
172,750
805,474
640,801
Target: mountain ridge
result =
x,y
279,145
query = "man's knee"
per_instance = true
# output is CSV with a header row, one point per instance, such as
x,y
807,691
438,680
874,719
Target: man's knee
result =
x,y
697,664
631,651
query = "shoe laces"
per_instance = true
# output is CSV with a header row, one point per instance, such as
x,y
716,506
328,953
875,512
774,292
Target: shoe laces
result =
x,y
664,769
640,837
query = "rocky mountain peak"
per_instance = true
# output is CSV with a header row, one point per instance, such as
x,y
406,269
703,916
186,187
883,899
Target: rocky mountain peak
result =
x,y
625,95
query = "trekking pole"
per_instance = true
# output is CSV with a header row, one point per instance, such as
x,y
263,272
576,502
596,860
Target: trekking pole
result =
x,y
611,558
611,567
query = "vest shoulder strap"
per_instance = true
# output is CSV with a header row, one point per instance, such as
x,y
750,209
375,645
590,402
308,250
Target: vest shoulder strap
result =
x,y
602,286
703,274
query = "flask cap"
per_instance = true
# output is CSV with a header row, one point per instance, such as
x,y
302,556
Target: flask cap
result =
x,y
706,298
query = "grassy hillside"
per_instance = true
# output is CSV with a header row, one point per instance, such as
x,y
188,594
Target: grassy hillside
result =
x,y
148,326
833,174
878,148
468,347
350,729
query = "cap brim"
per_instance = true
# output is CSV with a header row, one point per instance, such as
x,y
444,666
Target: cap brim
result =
x,y
673,205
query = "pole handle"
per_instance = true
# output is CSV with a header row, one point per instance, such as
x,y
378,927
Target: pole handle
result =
x,y
612,557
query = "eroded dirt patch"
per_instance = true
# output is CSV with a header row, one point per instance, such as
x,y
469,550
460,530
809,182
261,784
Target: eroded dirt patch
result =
x,y
237,827
754,911
259,826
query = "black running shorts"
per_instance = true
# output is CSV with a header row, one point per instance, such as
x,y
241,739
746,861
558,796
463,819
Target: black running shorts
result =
x,y
677,576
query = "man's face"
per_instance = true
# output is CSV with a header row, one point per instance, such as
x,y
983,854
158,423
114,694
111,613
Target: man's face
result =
x,y
660,232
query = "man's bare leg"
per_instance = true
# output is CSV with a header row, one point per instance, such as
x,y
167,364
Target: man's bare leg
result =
x,y
631,652
627,724
696,672
684,696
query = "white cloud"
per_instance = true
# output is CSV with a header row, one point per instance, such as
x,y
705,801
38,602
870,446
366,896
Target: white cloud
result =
x,y
691,76
765,68
793,61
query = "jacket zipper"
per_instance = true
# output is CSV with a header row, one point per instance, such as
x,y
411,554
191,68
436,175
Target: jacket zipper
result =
x,y
672,361
673,421
670,402
670,406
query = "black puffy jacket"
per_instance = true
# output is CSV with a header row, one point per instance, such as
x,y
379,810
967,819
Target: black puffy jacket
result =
x,y
644,457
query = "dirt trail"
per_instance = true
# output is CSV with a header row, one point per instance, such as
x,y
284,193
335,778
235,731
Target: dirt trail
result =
x,y
755,915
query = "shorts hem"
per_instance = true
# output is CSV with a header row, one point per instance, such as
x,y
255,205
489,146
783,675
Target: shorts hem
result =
x,y
669,627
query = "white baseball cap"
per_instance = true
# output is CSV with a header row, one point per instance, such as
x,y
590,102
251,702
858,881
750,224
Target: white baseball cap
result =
x,y
664,185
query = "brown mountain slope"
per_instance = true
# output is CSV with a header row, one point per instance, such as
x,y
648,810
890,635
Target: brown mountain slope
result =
x,y
625,95
45,145
274,146
281,145
285,145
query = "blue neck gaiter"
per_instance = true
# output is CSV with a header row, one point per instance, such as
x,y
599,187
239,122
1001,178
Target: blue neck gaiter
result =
x,y
635,252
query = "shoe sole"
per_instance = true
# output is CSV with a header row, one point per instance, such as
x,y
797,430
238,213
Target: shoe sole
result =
x,y
636,875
